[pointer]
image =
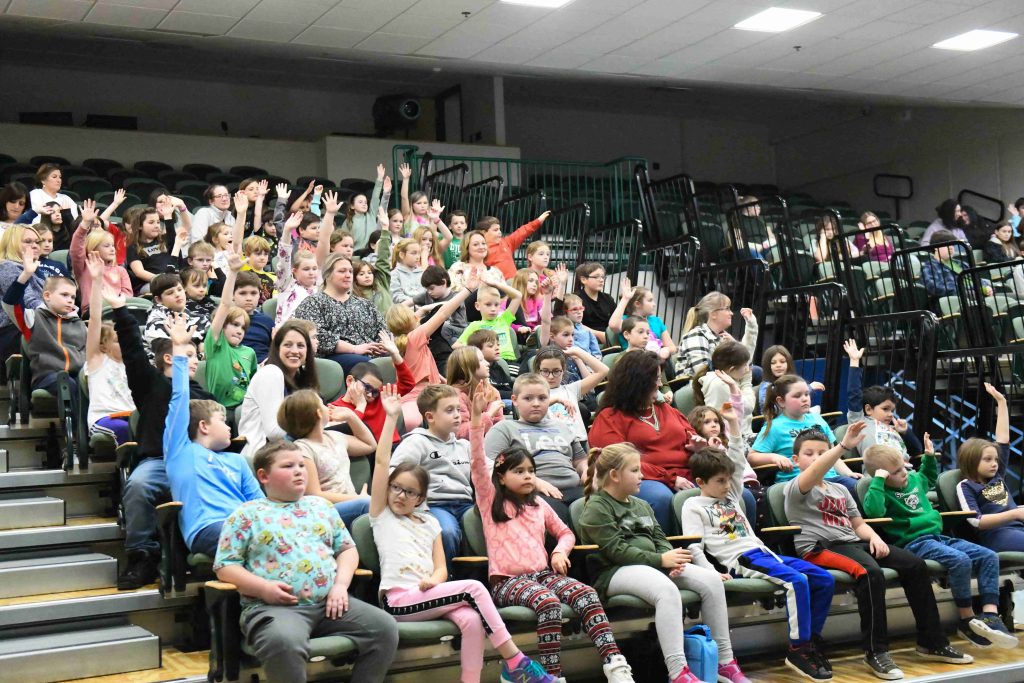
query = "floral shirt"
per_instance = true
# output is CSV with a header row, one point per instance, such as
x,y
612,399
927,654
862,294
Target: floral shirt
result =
x,y
296,543
356,321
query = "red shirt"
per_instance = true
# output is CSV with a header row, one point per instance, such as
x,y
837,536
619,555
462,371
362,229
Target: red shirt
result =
x,y
500,253
373,416
663,453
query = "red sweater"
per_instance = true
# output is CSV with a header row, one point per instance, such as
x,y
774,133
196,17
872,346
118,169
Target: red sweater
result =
x,y
663,453
373,416
500,253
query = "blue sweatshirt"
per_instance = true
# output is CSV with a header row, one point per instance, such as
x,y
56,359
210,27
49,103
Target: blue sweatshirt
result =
x,y
989,498
209,485
257,337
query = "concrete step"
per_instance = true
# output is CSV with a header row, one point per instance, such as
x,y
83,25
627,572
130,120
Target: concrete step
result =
x,y
4,461
35,478
76,531
17,614
23,513
81,653
56,574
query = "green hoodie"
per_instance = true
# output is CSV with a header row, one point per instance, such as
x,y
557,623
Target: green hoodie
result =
x,y
912,513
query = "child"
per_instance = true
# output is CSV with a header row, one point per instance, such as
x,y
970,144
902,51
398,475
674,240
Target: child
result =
x,y
297,587
527,283
636,332
221,238
717,516
297,276
515,520
598,306
776,362
110,399
500,249
559,333
362,394
538,256
458,223
303,416
787,411
487,342
261,326
436,290
639,301
733,359
256,250
343,243
876,408
1000,522
210,483
445,459
636,559
200,257
939,273
415,206
229,364
198,301
147,251
361,217
414,585
168,299
582,336
47,266
406,272
488,302
85,241
430,247
917,526
561,460
710,425
467,372
833,535
396,225
551,362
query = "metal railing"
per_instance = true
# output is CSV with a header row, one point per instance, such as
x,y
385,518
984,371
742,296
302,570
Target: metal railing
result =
x,y
616,247
563,231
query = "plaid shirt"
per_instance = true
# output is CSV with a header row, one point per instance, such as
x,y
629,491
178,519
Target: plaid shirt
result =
x,y
697,345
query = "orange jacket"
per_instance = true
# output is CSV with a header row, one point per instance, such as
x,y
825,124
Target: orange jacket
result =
x,y
499,255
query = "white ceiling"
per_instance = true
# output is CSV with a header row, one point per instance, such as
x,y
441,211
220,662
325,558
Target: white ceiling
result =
x,y
864,47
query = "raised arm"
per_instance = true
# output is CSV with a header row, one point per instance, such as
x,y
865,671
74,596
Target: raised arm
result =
x,y
323,244
405,171
598,370
434,322
375,200
544,335
93,355
522,233
227,298
625,293
262,189
116,201
815,474
436,225
284,252
176,424
855,378
238,229
392,405
1002,415
515,298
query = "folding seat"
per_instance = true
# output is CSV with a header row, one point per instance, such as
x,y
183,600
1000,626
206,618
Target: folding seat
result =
x,y
191,188
170,178
152,168
72,170
102,167
200,170
89,187
118,176
332,379
16,171
142,187
38,161
248,171
6,159
934,568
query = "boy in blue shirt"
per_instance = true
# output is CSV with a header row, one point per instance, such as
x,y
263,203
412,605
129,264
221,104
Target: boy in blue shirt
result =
x,y
209,483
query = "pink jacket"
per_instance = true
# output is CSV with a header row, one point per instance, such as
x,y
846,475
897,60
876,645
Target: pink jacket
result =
x,y
514,547
115,276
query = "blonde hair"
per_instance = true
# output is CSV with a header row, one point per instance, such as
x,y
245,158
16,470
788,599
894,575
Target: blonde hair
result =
x,y
880,457
708,304
401,321
97,238
560,323
238,314
300,256
571,299
536,246
201,249
400,249
107,333
435,244
601,461
521,279
213,233
10,242
254,244
968,456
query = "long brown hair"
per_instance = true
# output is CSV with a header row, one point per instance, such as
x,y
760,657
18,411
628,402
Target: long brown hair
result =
x,y
305,377
776,390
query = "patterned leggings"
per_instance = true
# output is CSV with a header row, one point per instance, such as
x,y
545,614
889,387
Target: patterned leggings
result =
x,y
544,592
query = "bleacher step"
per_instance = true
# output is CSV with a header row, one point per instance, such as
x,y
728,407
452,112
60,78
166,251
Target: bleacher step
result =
x,y
80,654
56,574
73,532
24,513
4,462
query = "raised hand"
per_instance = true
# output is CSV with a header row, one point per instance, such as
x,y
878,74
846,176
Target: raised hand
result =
x,y
478,404
994,393
282,190
113,296
929,447
293,221
241,203
435,210
625,289
331,202
380,172
852,350
728,379
178,329
561,274
472,282
29,260
235,261
854,435
544,216
382,218
387,185
262,188
88,212
748,314
390,400
119,195
387,340
94,264
405,170
318,189
182,234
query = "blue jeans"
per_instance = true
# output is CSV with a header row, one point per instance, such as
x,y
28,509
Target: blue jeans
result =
x,y
207,539
959,557
347,361
449,516
348,510
659,497
48,383
1003,539
146,488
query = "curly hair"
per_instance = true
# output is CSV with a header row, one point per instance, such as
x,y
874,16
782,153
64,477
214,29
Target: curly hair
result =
x,y
632,382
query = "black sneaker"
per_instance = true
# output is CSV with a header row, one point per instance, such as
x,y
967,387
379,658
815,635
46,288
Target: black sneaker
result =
x,y
882,666
142,570
990,627
819,650
946,653
804,660
966,629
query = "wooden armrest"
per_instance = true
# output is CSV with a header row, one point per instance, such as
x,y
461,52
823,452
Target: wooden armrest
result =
x,y
948,316
470,559
958,513
679,382
878,520
239,439
586,547
769,466
171,505
614,348
852,461
221,586
362,572
789,529
690,538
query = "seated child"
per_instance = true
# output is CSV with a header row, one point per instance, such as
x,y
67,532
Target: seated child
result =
x,y
296,588
457,223
467,372
362,394
261,326
444,457
406,272
833,535
550,363
1000,522
776,362
198,302
256,250
500,249
917,526
487,342
342,242
168,299
528,318
47,266
229,364
639,302
488,302
711,388
297,275
437,289
582,336
876,408
717,516
200,257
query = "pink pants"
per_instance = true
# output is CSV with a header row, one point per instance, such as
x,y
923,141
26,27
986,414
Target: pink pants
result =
x,y
466,603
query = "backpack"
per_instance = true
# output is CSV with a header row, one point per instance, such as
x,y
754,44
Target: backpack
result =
x,y
701,653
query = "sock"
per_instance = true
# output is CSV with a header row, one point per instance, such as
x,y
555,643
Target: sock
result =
x,y
515,660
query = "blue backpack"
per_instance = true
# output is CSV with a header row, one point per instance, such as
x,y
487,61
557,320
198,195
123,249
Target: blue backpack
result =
x,y
701,653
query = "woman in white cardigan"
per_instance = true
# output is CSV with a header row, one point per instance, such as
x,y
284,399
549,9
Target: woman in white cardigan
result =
x,y
217,210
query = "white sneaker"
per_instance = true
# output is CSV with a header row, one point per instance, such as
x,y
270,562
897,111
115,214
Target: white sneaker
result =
x,y
617,670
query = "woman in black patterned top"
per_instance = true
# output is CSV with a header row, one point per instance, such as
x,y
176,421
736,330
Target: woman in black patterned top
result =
x,y
348,327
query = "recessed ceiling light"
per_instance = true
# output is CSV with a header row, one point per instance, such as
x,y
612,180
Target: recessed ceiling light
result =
x,y
548,4
977,39
777,19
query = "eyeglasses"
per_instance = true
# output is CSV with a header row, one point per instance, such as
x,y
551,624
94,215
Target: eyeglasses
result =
x,y
221,196
401,492
551,373
370,389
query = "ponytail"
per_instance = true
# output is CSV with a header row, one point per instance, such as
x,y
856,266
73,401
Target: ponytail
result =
x,y
691,320
588,483
708,304
601,461
776,389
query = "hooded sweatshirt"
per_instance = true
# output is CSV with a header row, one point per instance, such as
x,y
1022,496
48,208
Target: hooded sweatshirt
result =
x,y
405,283
447,461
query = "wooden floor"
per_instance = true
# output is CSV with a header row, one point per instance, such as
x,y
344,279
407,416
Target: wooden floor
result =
x,y
176,665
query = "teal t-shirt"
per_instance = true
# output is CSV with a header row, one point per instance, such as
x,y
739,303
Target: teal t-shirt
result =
x,y
779,439
228,369
502,326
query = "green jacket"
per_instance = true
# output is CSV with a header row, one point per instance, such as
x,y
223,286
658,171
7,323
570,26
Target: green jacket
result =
x,y
911,511
628,533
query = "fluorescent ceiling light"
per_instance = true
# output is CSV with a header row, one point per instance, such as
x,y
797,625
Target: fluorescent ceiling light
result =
x,y
549,4
777,19
977,39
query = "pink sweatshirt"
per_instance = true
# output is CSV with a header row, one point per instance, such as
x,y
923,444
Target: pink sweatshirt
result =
x,y
515,547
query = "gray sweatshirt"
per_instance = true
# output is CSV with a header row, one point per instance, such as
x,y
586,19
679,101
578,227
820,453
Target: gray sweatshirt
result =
x,y
446,461
553,445
405,283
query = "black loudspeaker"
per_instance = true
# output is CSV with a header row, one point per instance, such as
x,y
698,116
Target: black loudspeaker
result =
x,y
114,122
395,112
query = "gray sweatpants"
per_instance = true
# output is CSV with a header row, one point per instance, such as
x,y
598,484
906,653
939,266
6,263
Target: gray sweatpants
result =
x,y
279,636
656,588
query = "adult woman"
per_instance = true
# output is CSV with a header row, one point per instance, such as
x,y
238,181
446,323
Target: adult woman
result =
x,y
13,200
473,255
630,412
348,326
290,366
1001,248
218,210
50,181
873,243
826,231
598,306
714,315
16,241
950,217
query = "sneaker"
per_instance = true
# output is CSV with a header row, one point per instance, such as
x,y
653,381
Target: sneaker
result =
x,y
685,676
617,670
730,673
966,630
528,671
142,570
819,650
882,666
990,627
946,653
804,660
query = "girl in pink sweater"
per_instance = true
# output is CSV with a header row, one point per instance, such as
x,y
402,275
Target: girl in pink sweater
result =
x,y
515,521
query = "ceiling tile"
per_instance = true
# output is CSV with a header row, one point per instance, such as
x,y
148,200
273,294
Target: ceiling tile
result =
x,y
518,16
392,43
385,6
330,37
534,39
289,11
225,8
69,10
507,53
928,12
197,23
421,25
440,6
266,30
456,49
616,64
815,53
123,15
490,33
727,14
661,11
560,58
669,39
665,67
607,6
357,19
149,4
573,21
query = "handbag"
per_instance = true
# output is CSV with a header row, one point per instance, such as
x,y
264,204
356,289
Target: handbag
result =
x,y
701,653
